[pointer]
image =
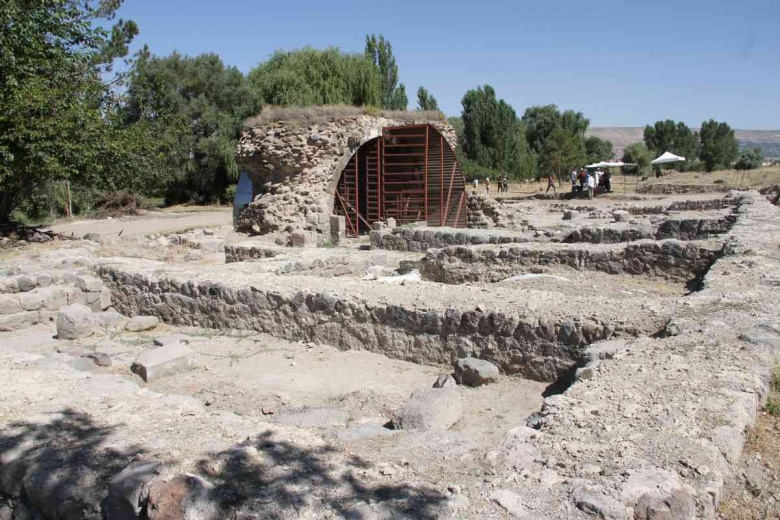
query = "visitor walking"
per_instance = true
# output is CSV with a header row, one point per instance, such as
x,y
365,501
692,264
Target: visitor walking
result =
x,y
550,183
608,181
591,181
487,185
475,184
574,180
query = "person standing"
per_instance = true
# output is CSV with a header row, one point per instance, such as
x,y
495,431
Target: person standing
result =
x,y
591,182
550,183
608,181
475,183
487,185
573,180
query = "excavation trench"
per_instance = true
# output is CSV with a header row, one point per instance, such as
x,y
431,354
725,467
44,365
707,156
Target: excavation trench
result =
x,y
541,346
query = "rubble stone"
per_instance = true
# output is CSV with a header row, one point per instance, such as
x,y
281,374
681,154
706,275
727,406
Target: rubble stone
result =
x,y
74,322
141,323
429,409
154,363
475,372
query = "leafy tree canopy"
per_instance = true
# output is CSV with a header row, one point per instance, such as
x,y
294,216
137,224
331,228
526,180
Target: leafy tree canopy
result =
x,y
750,159
425,100
194,107
597,149
719,146
541,121
638,154
57,118
380,53
493,137
562,150
669,136
308,76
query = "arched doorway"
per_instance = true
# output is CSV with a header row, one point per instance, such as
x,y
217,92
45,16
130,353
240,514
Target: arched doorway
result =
x,y
409,173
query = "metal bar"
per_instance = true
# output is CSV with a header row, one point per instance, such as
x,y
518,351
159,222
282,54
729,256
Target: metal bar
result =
x,y
346,213
449,193
460,206
378,181
382,201
357,190
425,174
441,181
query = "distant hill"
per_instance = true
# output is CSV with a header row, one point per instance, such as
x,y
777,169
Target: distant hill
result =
x,y
622,136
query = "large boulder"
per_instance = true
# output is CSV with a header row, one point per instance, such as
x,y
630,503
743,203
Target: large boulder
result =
x,y
129,490
429,409
475,372
184,496
74,322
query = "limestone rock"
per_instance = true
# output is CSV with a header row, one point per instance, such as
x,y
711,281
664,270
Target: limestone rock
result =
x,y
153,363
570,214
621,215
109,320
101,359
129,490
429,409
74,322
141,323
18,321
89,283
445,381
511,502
475,372
26,283
10,304
186,497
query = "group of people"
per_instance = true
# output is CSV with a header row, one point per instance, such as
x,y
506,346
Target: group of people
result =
x,y
585,180
503,184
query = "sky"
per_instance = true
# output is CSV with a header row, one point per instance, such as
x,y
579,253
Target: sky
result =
x,y
620,62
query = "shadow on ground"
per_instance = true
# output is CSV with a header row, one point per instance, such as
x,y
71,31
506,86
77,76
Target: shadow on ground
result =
x,y
277,479
61,467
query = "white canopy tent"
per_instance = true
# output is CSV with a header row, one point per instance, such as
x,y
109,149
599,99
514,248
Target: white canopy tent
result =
x,y
668,157
607,164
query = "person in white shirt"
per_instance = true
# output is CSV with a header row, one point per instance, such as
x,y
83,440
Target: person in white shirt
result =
x,y
475,184
574,180
591,181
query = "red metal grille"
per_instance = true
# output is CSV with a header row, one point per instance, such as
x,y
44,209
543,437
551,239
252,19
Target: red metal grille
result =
x,y
410,174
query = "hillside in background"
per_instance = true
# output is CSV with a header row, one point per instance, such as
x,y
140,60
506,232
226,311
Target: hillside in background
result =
x,y
622,136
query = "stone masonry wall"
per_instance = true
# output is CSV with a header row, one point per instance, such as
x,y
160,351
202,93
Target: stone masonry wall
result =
x,y
484,211
534,347
297,167
669,259
419,239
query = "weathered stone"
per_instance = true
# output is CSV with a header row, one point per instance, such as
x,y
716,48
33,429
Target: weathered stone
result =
x,y
109,320
74,322
94,237
54,297
128,491
429,409
445,381
18,321
183,497
570,214
89,283
26,283
167,339
153,363
141,323
31,301
10,304
101,359
300,238
512,503
475,372
621,215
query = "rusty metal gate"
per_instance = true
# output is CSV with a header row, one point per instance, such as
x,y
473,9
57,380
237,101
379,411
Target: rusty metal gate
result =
x,y
410,173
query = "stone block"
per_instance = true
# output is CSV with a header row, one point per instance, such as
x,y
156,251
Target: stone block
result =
x,y
338,223
18,321
184,496
129,489
89,283
475,372
429,409
154,363
570,214
391,223
54,297
300,238
109,320
31,301
141,323
74,322
44,279
10,304
621,215
26,283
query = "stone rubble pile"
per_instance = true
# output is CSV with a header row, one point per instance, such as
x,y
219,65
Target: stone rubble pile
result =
x,y
484,211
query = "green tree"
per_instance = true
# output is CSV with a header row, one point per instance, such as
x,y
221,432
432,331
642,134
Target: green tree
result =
x,y
493,137
669,136
597,149
194,107
719,147
308,76
425,100
750,159
638,154
380,53
562,150
58,109
541,121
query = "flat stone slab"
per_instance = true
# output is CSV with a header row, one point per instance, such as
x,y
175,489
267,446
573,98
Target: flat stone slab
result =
x,y
154,363
429,409
141,323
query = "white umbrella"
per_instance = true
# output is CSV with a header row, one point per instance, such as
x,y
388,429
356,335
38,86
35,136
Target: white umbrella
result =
x,y
668,157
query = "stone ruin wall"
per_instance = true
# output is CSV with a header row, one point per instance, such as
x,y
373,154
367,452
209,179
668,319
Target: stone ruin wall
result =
x,y
296,167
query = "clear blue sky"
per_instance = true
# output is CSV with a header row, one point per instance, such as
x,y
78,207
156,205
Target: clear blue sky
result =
x,y
622,63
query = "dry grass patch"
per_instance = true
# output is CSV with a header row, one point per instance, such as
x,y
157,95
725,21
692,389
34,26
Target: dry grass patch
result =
x,y
322,114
